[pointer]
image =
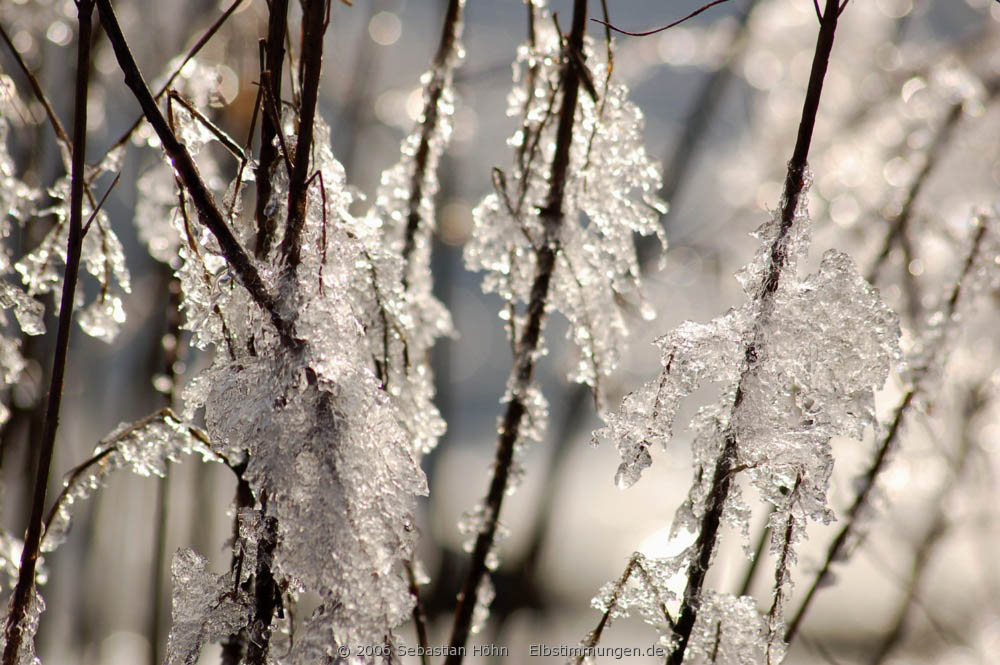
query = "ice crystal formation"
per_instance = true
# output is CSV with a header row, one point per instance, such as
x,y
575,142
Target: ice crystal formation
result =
x,y
797,364
610,194
332,429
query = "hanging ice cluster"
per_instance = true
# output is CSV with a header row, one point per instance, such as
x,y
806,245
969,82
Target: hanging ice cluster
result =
x,y
408,318
330,452
206,608
797,364
610,195
103,257
18,202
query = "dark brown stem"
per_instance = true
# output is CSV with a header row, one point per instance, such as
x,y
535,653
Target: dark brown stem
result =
x,y
313,30
269,126
419,616
440,75
838,547
14,628
266,594
722,477
184,165
527,344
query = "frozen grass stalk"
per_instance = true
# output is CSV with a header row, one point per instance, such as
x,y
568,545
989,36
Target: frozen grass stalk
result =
x,y
723,474
18,643
527,344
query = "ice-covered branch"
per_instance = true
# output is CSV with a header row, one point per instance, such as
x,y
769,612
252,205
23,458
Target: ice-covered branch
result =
x,y
527,342
794,189
424,160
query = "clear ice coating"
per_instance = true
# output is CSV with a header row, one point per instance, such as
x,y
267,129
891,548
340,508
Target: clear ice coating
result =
x,y
330,439
728,631
610,195
206,608
19,203
797,364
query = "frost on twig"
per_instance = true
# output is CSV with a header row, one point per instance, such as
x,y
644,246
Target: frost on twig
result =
x,y
103,256
144,447
407,319
797,362
610,194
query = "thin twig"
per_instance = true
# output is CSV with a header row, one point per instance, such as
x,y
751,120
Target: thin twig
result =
x,y
666,27
24,589
187,171
524,362
225,139
270,126
440,75
100,204
313,30
419,617
36,88
722,477
110,446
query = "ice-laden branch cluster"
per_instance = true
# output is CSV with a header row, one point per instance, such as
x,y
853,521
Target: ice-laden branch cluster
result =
x,y
332,429
797,364
325,444
610,194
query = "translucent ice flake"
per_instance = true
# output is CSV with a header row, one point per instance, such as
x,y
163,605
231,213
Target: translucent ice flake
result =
x,y
27,310
485,593
102,257
326,449
642,588
610,195
206,608
103,318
